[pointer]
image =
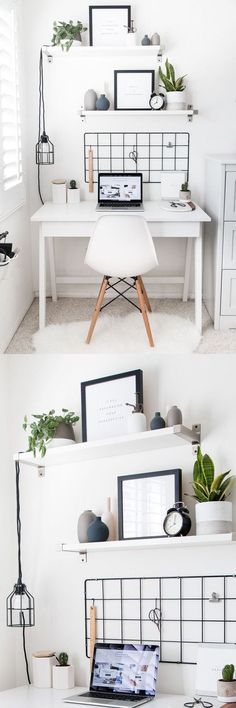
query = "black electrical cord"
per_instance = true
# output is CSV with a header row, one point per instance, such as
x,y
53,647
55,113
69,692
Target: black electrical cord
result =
x,y
24,650
18,526
41,115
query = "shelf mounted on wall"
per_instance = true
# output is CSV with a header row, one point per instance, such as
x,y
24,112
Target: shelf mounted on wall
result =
x,y
188,113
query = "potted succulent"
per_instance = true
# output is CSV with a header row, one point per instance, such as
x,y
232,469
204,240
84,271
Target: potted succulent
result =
x,y
185,193
213,512
63,674
49,429
67,33
226,686
175,88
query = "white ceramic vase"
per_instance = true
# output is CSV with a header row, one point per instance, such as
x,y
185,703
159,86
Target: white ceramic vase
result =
x,y
63,677
213,517
109,519
176,100
136,423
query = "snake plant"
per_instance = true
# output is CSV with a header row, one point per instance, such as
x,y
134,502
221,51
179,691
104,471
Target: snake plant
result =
x,y
169,80
205,485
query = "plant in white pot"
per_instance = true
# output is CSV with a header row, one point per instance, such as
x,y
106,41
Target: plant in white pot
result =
x,y
67,33
50,430
63,674
226,686
175,87
213,512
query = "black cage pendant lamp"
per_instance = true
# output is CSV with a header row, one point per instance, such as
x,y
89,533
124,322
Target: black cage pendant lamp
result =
x,y
44,147
20,602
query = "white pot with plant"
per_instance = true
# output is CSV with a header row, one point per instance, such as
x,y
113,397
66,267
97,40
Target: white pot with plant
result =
x,y
175,88
185,193
213,512
226,686
50,430
63,674
66,34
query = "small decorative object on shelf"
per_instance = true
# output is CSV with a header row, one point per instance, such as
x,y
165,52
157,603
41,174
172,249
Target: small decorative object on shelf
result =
x,y
174,417
42,663
102,103
67,33
226,686
137,422
177,521
157,422
97,531
213,512
85,519
109,519
63,674
157,101
174,87
155,39
185,193
131,35
59,191
146,41
73,193
90,98
49,429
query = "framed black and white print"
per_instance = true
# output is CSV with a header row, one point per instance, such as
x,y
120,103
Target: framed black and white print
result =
x,y
108,25
143,501
103,409
133,88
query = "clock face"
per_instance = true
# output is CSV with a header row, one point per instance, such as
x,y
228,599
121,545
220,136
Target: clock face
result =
x,y
156,102
173,523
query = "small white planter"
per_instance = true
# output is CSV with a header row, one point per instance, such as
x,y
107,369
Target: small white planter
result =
x,y
176,100
213,517
185,196
63,677
73,195
226,691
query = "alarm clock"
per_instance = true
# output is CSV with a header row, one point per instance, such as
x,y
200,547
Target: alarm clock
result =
x,y
157,101
177,521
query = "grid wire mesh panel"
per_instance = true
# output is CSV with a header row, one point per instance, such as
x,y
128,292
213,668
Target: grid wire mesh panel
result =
x,y
189,610
149,153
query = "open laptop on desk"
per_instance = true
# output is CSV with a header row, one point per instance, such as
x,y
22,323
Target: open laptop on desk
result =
x,y
122,675
120,191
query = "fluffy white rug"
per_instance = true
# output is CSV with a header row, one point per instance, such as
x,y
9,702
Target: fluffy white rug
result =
x,y
123,334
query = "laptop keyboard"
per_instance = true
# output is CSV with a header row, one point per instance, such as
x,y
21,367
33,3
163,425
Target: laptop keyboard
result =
x,y
111,696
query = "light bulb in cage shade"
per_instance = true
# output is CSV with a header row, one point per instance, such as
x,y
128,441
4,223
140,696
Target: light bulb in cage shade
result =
x,y
44,150
20,607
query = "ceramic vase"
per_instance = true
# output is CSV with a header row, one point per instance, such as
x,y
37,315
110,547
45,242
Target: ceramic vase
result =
x,y
213,517
155,39
42,664
157,422
102,103
85,519
97,531
136,423
109,519
90,98
63,677
174,416
146,41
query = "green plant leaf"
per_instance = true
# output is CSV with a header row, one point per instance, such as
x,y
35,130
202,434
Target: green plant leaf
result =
x,y
217,482
226,488
172,74
209,470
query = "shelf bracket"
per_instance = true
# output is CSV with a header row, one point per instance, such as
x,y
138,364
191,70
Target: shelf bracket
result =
x,y
48,54
82,114
83,556
194,112
196,431
41,471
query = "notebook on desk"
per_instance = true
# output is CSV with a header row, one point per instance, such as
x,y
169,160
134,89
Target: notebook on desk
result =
x,y
122,675
120,191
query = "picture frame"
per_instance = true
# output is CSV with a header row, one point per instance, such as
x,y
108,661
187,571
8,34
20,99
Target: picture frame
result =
x,y
143,501
210,660
103,410
133,88
108,25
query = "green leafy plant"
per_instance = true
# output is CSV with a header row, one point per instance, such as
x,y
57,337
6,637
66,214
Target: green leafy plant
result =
x,y
64,33
169,80
206,486
43,427
228,672
184,187
62,659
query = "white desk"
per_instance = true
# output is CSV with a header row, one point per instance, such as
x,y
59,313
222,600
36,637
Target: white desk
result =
x,y
77,221
29,697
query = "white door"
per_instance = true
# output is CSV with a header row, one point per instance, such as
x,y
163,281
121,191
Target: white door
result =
x,y
228,296
230,196
229,247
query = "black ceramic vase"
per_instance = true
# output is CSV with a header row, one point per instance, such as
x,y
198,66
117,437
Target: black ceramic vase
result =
x,y
97,531
157,422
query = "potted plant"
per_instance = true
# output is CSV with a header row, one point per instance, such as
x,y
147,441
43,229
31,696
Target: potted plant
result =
x,y
185,193
213,512
174,87
63,674
50,429
67,33
226,686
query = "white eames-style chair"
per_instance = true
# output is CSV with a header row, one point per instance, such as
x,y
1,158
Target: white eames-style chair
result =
x,y
122,248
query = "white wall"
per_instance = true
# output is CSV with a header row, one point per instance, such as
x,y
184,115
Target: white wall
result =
x,y
200,42
205,389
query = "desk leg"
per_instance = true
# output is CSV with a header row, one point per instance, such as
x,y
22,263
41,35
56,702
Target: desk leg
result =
x,y
51,253
42,281
198,281
188,259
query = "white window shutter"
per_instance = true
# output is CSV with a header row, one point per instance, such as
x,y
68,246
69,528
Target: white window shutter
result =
x,y
11,175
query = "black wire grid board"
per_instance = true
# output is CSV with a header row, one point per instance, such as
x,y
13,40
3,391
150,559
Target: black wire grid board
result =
x,y
149,153
188,610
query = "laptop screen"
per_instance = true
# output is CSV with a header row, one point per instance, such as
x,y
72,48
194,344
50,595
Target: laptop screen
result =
x,y
125,668
120,187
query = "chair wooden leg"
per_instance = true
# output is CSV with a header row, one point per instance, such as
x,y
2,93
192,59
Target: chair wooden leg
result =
x,y
145,295
144,312
97,309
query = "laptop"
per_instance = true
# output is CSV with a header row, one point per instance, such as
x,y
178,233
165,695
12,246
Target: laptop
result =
x,y
120,191
122,675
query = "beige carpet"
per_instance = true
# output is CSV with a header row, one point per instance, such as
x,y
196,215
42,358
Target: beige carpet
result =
x,y
72,309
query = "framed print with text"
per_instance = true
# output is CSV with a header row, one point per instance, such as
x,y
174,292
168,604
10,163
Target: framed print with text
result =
x,y
133,88
108,25
104,413
143,501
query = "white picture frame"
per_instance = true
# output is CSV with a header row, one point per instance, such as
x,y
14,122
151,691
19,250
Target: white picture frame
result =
x,y
210,661
103,404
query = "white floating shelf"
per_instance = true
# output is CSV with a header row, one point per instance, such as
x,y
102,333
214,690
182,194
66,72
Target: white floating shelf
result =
x,y
174,436
154,50
147,543
188,113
